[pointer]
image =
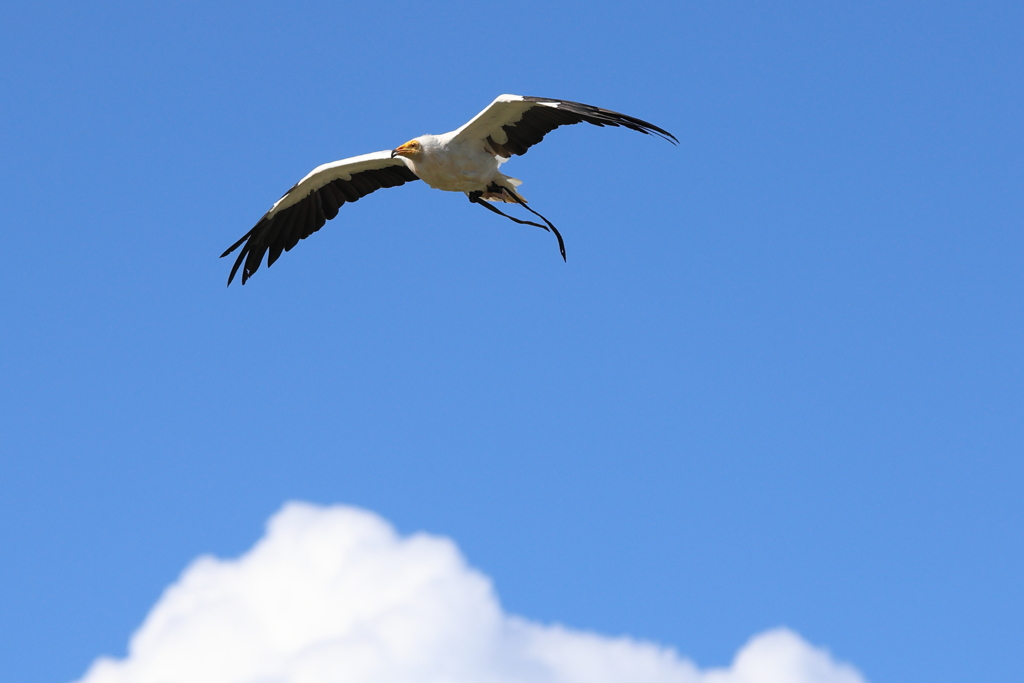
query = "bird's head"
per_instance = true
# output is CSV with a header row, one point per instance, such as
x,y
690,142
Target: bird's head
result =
x,y
413,148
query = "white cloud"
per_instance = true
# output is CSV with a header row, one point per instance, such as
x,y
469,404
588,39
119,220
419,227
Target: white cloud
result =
x,y
334,595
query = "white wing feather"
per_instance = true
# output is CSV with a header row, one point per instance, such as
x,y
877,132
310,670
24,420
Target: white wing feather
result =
x,y
343,169
505,109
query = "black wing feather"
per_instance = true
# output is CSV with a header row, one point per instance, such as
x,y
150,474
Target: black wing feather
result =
x,y
292,237
347,190
330,201
538,121
284,229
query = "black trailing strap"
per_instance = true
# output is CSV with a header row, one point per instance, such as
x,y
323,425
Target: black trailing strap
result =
x,y
475,197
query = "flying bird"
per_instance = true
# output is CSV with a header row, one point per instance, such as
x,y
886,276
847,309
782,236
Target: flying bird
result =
x,y
465,160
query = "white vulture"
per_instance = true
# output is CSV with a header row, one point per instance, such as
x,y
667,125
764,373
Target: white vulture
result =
x,y
464,160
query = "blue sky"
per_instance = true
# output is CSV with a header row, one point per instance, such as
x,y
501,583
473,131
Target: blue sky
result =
x,y
778,381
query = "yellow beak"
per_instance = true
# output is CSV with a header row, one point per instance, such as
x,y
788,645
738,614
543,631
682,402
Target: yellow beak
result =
x,y
403,150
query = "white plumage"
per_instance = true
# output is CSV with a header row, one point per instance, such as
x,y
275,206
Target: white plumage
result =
x,y
446,163
465,160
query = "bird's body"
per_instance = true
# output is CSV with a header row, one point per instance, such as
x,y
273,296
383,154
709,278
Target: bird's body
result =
x,y
465,160
455,165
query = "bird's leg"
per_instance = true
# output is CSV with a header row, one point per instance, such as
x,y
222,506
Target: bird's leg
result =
x,y
475,197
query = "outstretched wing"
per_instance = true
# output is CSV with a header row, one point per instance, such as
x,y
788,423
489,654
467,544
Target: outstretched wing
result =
x,y
313,201
514,123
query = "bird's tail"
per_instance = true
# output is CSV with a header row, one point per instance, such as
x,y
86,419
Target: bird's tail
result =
x,y
509,184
